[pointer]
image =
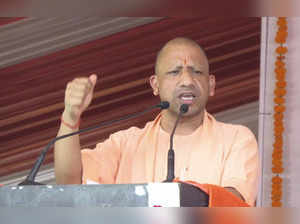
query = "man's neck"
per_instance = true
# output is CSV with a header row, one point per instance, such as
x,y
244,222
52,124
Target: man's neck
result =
x,y
186,126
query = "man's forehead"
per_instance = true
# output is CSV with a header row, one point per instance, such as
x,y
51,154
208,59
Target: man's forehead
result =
x,y
179,47
180,50
183,55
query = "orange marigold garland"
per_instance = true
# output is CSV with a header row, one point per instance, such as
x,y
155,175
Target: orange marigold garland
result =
x,y
279,108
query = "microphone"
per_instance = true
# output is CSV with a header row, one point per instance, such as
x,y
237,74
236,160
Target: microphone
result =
x,y
30,178
171,155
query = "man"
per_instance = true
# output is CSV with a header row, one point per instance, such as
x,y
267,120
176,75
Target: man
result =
x,y
206,151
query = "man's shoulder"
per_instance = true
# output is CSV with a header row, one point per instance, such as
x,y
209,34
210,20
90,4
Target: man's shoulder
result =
x,y
233,129
235,136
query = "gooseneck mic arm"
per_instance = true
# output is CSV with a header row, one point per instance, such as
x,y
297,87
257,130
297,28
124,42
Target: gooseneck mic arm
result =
x,y
30,178
171,155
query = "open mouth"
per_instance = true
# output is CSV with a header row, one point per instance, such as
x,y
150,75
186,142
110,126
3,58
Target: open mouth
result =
x,y
187,98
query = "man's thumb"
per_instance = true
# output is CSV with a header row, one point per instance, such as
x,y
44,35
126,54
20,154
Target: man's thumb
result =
x,y
93,79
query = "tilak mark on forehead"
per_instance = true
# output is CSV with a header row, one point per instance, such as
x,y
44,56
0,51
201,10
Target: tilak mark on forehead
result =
x,y
185,61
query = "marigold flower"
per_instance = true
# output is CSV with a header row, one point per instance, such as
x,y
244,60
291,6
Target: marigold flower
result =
x,y
278,123
281,50
277,192
280,77
276,204
279,129
276,184
277,163
281,84
277,151
282,31
280,92
279,63
281,21
277,169
278,148
280,138
280,40
277,155
277,179
280,37
279,108
276,197
280,70
277,144
276,134
278,116
279,100
277,189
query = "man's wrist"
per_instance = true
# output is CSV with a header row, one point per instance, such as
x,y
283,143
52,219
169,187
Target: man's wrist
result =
x,y
70,122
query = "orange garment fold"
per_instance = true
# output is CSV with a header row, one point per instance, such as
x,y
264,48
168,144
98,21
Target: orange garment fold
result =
x,y
218,196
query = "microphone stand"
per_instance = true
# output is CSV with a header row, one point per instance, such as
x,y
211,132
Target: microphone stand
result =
x,y
30,178
171,154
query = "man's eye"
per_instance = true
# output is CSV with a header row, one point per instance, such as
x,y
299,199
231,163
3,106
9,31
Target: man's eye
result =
x,y
198,72
175,72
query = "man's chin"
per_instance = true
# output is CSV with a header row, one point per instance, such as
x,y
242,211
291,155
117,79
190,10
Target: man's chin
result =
x,y
193,111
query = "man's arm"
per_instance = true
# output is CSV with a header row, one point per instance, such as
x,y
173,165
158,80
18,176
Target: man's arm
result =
x,y
241,167
67,155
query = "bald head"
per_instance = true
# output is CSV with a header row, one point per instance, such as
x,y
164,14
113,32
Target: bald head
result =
x,y
170,45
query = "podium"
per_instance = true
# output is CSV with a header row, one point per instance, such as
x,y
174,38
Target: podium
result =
x,y
106,195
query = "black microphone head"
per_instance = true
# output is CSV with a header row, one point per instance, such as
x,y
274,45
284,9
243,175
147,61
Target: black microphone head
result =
x,y
164,105
184,108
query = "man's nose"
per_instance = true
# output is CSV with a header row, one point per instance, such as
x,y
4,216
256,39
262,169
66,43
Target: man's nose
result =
x,y
186,78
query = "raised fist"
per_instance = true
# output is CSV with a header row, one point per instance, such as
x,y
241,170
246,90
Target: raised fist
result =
x,y
78,96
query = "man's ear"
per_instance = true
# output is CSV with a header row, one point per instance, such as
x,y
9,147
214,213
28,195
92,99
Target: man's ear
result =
x,y
154,84
212,85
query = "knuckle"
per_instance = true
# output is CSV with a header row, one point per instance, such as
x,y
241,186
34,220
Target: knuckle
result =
x,y
81,79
